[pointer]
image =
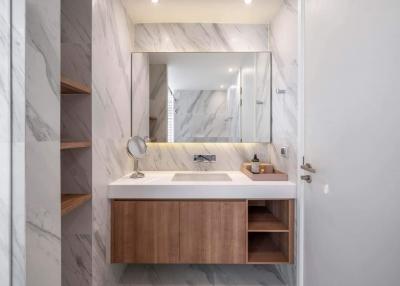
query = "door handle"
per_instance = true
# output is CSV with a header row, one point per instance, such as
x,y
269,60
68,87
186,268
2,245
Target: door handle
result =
x,y
307,167
306,178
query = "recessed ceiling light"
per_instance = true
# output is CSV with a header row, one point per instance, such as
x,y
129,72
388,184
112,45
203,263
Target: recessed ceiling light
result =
x,y
222,86
248,2
230,70
156,1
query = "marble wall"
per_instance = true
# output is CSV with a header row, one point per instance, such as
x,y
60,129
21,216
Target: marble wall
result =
x,y
283,43
204,116
42,143
5,142
284,47
111,127
19,169
158,102
140,85
200,38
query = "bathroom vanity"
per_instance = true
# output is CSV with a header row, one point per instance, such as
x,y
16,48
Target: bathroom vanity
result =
x,y
224,219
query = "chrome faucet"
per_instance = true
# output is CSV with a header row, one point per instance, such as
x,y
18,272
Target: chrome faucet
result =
x,y
204,161
205,158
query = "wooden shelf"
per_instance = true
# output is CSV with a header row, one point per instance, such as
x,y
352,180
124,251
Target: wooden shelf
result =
x,y
71,202
67,145
72,87
261,220
264,250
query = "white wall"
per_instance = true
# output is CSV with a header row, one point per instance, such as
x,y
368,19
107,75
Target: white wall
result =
x,y
352,138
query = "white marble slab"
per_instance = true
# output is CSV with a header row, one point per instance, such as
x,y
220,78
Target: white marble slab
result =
x,y
159,185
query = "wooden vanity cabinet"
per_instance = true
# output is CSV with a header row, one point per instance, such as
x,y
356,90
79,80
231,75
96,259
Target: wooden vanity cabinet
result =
x,y
213,232
145,232
202,231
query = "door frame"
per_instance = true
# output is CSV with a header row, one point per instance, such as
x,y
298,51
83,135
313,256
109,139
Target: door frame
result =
x,y
300,141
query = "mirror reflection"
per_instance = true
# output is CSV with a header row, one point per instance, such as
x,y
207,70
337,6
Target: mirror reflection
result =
x,y
209,97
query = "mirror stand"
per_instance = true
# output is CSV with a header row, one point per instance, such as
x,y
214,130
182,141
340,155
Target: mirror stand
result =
x,y
136,174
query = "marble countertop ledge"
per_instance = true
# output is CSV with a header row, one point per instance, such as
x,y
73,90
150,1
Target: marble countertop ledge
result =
x,y
159,185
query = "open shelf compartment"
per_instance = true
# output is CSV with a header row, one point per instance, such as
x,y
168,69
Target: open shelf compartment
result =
x,y
269,216
268,248
270,231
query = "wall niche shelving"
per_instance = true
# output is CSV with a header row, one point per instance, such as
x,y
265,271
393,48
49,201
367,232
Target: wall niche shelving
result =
x,y
76,145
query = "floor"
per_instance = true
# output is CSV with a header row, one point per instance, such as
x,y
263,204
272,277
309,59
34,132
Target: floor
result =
x,y
216,275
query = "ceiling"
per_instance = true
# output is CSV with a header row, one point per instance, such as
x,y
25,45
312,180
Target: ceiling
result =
x,y
202,11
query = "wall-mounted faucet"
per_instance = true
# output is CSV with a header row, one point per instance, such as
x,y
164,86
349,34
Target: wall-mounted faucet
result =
x,y
204,158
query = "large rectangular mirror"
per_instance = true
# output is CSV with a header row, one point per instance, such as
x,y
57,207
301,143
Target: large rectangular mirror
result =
x,y
209,97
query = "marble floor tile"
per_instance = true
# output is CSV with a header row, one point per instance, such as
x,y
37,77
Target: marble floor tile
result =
x,y
217,275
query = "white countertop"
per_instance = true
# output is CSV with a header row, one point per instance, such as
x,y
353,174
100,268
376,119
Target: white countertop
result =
x,y
159,185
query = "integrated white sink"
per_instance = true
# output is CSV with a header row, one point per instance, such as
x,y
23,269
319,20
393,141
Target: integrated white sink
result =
x,y
201,177
199,185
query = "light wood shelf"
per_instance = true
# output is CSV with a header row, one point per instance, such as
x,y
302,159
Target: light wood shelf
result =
x,y
261,220
72,87
71,202
67,145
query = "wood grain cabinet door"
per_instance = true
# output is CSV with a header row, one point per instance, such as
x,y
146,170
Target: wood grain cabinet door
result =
x,y
145,232
213,232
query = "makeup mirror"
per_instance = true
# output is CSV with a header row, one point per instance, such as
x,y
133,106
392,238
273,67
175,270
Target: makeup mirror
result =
x,y
136,148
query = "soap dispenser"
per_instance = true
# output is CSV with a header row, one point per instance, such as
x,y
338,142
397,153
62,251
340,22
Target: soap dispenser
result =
x,y
255,165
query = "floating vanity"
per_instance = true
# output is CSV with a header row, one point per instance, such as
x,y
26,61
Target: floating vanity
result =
x,y
201,218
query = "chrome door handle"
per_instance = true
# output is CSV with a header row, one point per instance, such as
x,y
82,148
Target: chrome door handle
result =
x,y
307,167
307,178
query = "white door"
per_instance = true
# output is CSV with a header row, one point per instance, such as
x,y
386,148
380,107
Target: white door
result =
x,y
352,139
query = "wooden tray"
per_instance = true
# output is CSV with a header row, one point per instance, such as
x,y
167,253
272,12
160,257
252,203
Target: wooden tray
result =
x,y
269,174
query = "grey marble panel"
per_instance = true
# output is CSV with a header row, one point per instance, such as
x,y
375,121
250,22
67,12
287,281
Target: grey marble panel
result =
x,y
216,275
18,152
200,37
43,225
158,103
283,43
111,128
76,40
140,95
42,86
179,157
76,169
263,97
76,257
5,142
203,115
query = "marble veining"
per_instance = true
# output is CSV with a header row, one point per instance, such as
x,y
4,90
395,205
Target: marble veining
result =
x,y
42,123
200,37
5,142
19,265
216,275
158,103
140,93
111,127
205,115
283,43
179,157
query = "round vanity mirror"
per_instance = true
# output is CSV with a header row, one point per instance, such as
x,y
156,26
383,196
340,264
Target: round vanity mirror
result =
x,y
137,149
